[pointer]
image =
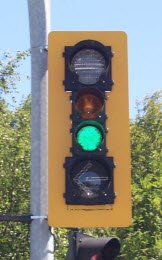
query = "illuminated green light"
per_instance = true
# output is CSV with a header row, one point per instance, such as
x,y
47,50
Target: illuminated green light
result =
x,y
89,138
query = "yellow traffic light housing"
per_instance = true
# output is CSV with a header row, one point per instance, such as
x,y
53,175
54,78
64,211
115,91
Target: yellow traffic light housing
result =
x,y
85,187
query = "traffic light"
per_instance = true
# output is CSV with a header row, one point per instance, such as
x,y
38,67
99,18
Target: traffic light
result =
x,y
89,173
89,146
82,246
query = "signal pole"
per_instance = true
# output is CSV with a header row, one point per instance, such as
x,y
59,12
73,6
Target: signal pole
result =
x,y
41,240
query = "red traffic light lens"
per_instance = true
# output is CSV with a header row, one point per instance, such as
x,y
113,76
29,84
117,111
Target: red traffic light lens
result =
x,y
89,102
89,65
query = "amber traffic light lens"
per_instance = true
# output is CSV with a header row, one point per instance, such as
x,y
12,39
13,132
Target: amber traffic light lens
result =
x,y
89,103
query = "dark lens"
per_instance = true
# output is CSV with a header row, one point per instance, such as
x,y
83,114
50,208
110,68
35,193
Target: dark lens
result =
x,y
91,177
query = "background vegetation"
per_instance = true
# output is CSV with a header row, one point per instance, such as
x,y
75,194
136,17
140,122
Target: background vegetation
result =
x,y
143,239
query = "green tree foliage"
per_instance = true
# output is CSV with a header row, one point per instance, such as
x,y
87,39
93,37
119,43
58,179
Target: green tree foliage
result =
x,y
15,178
10,74
145,235
14,165
9,71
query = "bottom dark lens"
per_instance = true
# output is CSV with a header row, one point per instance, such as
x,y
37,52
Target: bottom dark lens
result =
x,y
91,177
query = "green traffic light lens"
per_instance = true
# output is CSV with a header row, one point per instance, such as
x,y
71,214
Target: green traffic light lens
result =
x,y
89,136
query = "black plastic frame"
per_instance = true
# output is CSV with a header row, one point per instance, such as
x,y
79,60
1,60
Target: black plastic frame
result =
x,y
72,196
71,80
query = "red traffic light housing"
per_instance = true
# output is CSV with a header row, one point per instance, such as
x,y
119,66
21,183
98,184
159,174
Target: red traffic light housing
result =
x,y
85,247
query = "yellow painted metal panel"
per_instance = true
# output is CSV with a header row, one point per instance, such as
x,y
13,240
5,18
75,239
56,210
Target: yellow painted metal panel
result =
x,y
60,141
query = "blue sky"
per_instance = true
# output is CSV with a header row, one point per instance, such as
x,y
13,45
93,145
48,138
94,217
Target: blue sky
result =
x,y
140,19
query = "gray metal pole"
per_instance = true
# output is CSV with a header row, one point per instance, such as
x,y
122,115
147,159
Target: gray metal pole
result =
x,y
41,240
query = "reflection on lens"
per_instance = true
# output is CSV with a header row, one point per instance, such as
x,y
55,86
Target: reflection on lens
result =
x,y
89,65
